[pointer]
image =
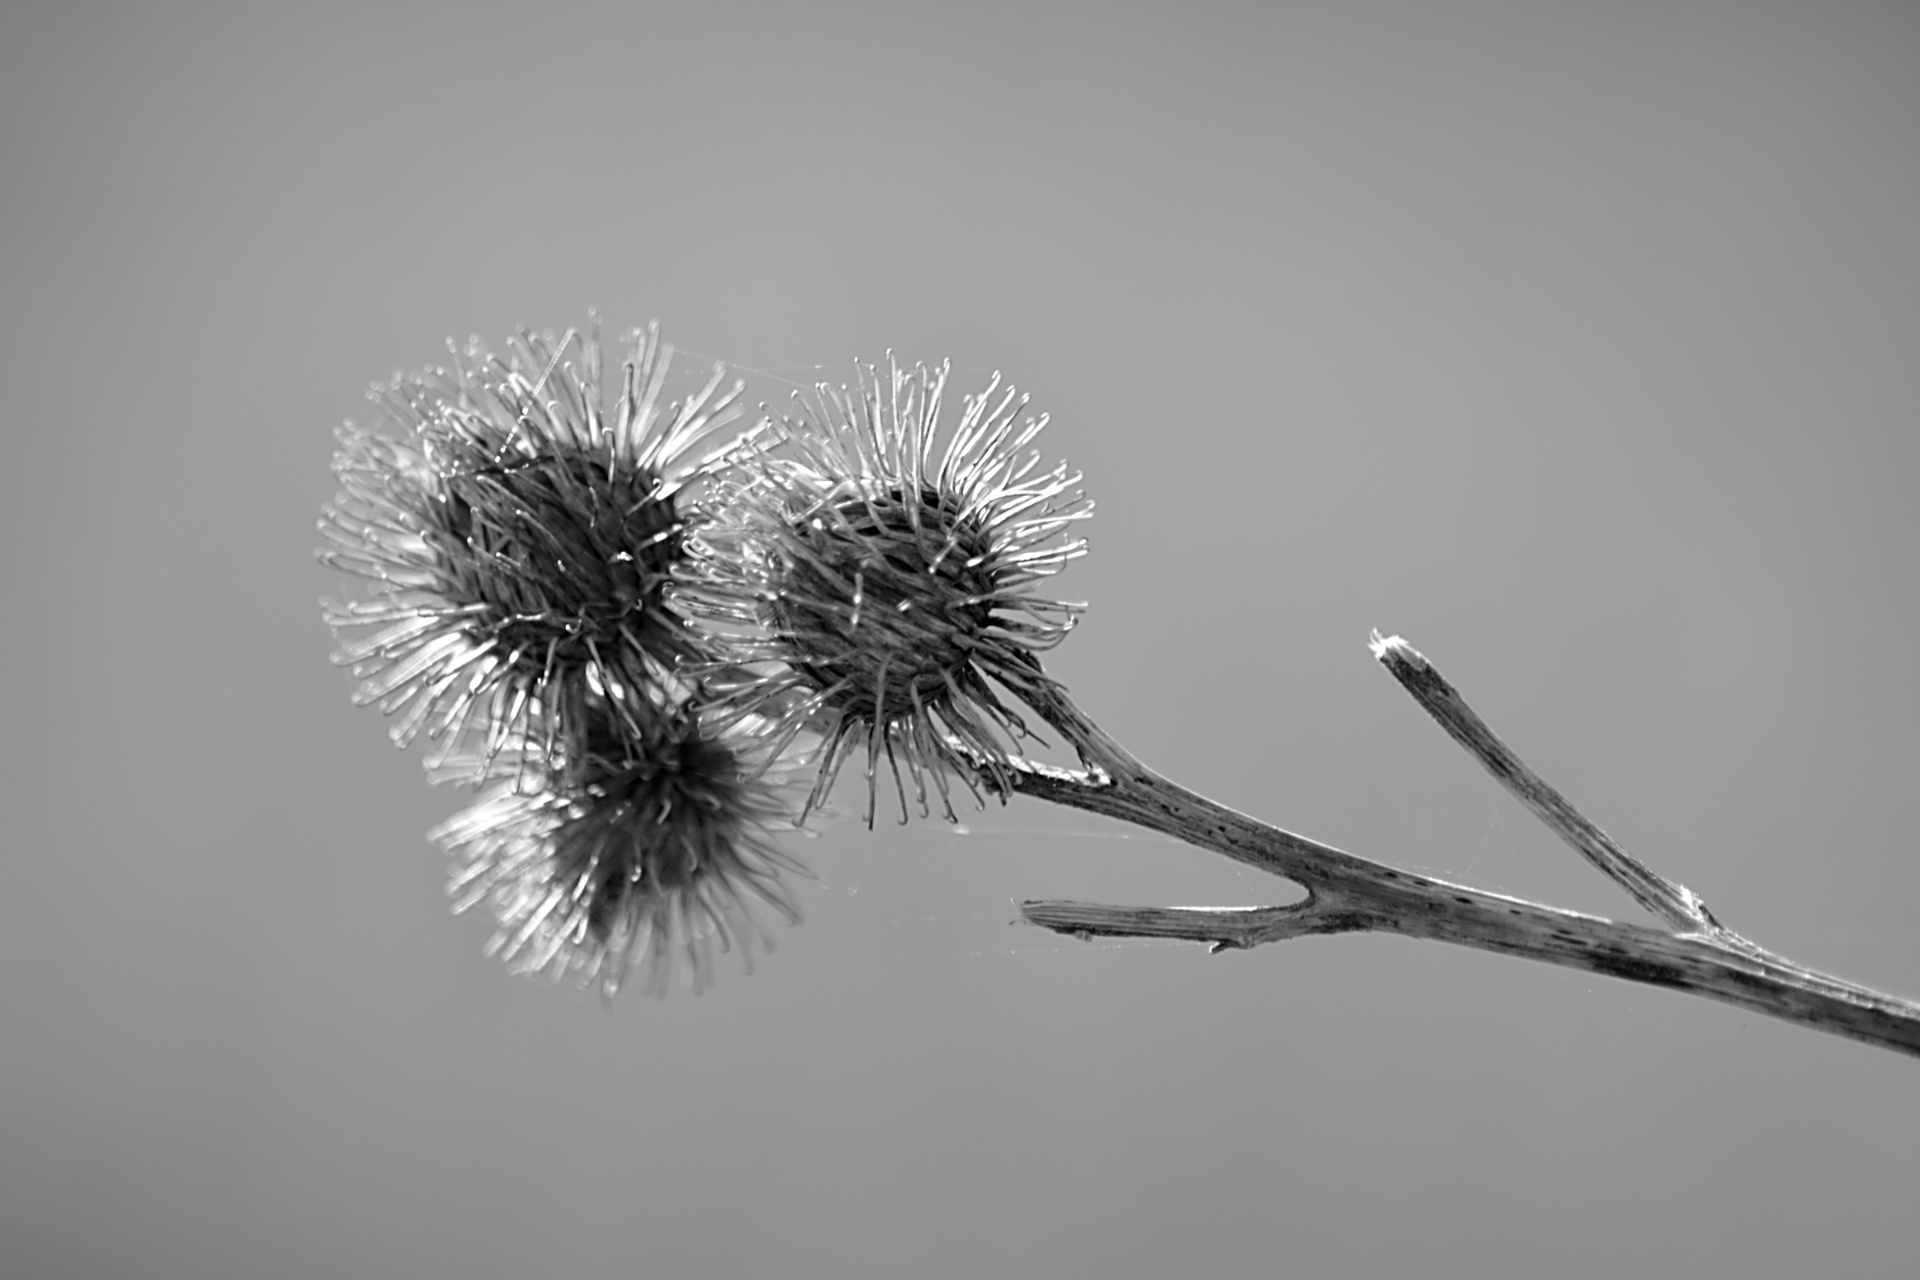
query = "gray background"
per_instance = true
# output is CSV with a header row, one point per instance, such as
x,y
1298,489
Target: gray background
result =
x,y
1576,342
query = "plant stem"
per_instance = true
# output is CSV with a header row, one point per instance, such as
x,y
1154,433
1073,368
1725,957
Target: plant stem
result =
x,y
1678,905
1349,894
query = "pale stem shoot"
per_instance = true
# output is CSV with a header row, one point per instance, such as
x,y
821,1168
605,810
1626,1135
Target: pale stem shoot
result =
x,y
1674,903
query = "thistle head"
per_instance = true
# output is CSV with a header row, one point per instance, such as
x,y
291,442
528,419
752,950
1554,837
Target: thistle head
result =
x,y
896,583
633,856
520,542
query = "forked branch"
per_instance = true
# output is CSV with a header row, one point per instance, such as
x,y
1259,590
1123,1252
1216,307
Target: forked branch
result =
x,y
1678,905
1346,893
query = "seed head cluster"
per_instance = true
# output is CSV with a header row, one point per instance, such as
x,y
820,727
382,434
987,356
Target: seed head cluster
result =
x,y
895,584
652,655
629,861
520,542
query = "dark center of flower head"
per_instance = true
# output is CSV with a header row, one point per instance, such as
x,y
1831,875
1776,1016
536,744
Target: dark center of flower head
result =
x,y
652,826
884,604
564,551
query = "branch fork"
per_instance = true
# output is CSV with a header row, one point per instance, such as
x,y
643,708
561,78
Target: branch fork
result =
x,y
1691,951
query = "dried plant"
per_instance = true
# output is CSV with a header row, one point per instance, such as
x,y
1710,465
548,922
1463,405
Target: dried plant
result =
x,y
658,660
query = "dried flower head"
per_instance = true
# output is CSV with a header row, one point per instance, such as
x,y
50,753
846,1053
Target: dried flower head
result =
x,y
520,541
637,855
896,590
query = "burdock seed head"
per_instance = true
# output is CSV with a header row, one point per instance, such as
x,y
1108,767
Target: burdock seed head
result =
x,y
632,856
894,584
520,542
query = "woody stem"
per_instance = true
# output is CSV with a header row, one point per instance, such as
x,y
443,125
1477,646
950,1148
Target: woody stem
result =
x,y
1347,893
